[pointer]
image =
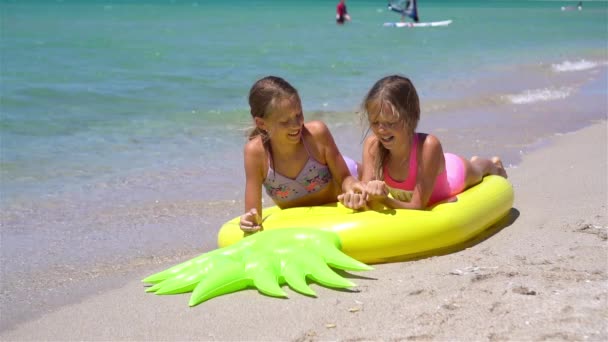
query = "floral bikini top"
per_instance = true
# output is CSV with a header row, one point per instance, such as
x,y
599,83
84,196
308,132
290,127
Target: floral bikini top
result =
x,y
313,177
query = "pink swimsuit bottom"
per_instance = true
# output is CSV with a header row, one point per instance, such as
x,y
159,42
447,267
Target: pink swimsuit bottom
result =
x,y
449,183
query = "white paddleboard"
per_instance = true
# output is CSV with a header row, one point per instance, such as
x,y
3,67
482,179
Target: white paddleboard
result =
x,y
572,8
428,24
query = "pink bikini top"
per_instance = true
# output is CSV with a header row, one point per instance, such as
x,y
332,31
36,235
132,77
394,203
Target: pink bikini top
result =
x,y
403,190
313,177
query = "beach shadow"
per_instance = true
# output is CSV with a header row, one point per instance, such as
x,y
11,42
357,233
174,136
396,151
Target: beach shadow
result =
x,y
348,275
494,229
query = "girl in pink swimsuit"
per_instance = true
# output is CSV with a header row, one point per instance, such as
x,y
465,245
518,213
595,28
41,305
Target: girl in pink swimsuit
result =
x,y
411,166
297,163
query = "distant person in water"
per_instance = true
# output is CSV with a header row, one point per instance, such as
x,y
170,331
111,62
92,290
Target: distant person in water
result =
x,y
341,13
407,8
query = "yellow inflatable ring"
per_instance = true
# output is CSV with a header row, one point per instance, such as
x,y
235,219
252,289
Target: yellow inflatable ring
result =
x,y
379,236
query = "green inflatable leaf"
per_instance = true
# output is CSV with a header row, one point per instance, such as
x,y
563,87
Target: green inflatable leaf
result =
x,y
265,260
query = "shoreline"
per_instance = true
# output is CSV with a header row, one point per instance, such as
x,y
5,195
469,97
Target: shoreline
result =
x,y
165,218
542,277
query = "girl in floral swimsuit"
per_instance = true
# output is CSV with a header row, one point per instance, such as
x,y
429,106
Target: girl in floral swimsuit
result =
x,y
297,163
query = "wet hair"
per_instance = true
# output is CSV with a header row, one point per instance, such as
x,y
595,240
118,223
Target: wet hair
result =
x,y
264,95
399,94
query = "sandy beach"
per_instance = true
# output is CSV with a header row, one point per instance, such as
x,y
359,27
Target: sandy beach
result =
x,y
541,277
121,155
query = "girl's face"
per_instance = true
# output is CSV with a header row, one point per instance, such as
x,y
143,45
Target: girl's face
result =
x,y
387,125
285,121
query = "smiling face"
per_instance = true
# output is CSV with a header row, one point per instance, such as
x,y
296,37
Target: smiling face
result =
x,y
284,120
392,108
387,124
276,110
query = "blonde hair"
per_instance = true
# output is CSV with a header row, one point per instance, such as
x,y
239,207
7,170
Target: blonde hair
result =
x,y
399,94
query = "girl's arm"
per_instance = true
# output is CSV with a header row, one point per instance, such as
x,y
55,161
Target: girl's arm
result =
x,y
370,148
377,191
254,157
353,191
430,164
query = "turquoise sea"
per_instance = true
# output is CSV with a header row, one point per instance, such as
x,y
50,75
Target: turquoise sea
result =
x,y
122,122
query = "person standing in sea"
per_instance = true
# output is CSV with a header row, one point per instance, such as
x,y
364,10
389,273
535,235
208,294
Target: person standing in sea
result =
x,y
341,13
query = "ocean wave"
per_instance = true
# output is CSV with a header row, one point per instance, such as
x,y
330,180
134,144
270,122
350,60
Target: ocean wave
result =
x,y
574,66
539,95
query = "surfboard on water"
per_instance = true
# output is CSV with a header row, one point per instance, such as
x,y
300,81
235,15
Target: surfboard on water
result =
x,y
578,6
427,24
409,8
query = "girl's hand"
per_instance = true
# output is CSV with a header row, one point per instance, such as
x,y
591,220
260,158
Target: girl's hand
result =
x,y
251,221
376,190
354,198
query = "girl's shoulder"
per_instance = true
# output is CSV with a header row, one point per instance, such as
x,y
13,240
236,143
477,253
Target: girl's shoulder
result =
x,y
429,144
316,128
255,158
428,140
318,132
255,148
318,139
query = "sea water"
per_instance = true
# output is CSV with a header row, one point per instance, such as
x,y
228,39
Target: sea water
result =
x,y
123,122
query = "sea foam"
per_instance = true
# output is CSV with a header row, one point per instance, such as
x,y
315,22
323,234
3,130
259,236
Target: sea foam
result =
x,y
573,66
539,95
